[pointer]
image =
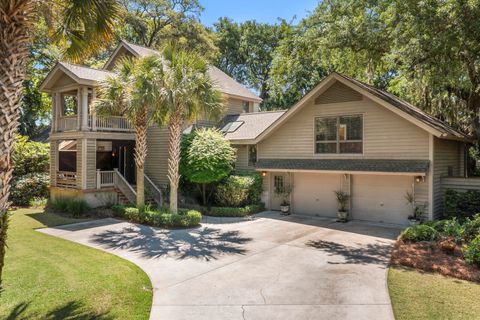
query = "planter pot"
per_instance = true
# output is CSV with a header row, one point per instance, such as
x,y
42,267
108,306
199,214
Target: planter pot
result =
x,y
342,216
285,209
413,222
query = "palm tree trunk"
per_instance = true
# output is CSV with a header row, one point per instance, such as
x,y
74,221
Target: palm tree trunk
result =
x,y
15,20
175,128
141,154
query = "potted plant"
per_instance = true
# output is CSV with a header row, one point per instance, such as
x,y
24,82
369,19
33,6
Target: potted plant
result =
x,y
342,199
284,193
416,216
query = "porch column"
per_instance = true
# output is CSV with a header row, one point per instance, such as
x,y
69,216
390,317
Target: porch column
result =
x,y
58,111
79,108
94,113
53,121
53,162
84,108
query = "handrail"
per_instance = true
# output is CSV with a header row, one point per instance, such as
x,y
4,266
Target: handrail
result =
x,y
122,184
159,201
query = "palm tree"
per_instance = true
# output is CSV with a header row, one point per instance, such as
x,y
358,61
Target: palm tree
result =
x,y
188,94
83,26
134,93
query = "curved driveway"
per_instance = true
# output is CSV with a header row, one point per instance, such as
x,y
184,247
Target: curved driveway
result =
x,y
266,267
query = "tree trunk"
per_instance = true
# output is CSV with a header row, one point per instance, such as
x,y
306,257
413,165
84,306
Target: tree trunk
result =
x,y
15,20
175,129
204,193
141,154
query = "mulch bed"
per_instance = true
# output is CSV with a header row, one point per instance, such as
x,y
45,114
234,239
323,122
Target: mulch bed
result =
x,y
427,256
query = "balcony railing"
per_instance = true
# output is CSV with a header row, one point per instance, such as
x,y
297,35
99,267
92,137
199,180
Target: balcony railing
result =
x,y
112,123
105,179
68,123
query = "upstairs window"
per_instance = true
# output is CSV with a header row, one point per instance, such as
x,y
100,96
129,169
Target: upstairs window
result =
x,y
252,155
245,106
342,134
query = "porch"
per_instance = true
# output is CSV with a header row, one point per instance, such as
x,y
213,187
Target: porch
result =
x,y
84,166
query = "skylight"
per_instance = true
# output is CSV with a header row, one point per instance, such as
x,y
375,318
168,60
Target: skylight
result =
x,y
232,126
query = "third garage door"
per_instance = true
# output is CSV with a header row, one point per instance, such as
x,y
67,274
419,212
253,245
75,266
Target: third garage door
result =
x,y
381,198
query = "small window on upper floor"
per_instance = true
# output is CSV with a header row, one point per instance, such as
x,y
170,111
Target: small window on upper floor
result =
x,y
342,134
252,155
245,106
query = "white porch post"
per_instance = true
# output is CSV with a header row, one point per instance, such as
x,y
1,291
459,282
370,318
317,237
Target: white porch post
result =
x,y
84,108
58,111
54,112
79,108
99,181
94,113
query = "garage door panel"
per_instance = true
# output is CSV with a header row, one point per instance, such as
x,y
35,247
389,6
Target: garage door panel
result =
x,y
313,194
381,198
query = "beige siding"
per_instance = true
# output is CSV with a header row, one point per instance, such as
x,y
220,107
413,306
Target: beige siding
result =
x,y
91,173
234,106
421,195
386,135
446,154
337,93
156,165
53,162
79,163
460,184
241,162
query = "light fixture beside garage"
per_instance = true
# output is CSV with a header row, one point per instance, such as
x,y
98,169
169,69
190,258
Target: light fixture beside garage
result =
x,y
419,179
264,173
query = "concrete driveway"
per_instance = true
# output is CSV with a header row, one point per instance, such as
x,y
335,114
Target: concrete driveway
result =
x,y
266,267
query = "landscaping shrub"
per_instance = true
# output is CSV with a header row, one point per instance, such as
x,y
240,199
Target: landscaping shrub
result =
x,y
235,211
29,157
239,190
75,207
421,232
28,188
471,251
471,228
461,204
159,217
451,228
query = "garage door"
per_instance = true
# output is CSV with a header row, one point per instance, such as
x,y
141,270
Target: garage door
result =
x,y
313,194
381,198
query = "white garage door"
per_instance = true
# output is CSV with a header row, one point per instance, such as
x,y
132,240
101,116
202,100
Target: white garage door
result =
x,y
313,194
381,198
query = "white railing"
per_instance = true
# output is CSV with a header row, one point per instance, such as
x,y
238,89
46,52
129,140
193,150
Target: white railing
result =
x,y
113,123
66,179
68,123
105,179
122,184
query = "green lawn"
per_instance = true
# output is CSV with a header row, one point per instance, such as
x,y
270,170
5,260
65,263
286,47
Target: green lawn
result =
x,y
50,278
418,295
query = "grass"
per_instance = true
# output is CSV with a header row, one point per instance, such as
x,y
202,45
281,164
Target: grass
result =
x,y
49,278
417,295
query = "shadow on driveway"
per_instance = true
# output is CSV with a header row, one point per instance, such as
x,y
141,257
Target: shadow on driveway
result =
x,y
372,253
201,243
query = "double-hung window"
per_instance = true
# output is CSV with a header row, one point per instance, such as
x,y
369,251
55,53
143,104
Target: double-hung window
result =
x,y
342,134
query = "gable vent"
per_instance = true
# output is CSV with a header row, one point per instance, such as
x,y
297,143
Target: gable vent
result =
x,y
338,92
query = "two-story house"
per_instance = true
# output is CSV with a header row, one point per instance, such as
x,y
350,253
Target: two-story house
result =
x,y
92,156
343,135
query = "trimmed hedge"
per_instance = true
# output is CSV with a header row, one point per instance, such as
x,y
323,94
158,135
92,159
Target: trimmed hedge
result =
x,y
231,211
159,218
461,204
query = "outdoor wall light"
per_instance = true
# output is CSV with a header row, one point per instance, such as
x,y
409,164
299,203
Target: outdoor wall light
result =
x,y
264,173
419,179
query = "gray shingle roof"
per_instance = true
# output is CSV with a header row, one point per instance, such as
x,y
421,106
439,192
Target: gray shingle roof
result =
x,y
86,73
253,124
225,83
369,165
408,108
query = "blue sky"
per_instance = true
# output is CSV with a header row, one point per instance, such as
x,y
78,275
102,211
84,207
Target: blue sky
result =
x,y
260,10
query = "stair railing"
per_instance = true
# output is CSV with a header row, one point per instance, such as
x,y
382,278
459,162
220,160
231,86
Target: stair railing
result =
x,y
122,184
157,194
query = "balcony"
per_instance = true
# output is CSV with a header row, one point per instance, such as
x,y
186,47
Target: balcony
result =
x,y
108,124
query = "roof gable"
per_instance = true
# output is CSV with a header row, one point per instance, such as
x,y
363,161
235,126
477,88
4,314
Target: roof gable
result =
x,y
224,82
387,100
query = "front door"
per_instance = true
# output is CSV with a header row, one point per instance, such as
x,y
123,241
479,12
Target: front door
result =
x,y
279,182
